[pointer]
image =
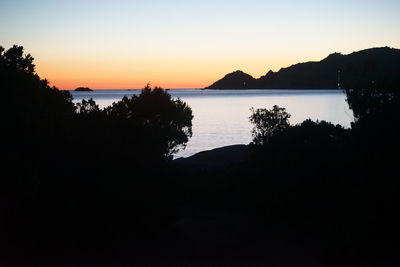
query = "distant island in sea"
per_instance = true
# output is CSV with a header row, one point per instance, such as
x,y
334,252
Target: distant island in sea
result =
x,y
83,89
334,72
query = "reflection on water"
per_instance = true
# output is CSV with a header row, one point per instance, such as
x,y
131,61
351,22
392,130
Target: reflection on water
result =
x,y
221,116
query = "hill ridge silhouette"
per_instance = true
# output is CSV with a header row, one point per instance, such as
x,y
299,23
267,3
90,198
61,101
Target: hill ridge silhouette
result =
x,y
356,68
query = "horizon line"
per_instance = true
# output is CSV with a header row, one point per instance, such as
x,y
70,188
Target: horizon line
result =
x,y
105,89
255,77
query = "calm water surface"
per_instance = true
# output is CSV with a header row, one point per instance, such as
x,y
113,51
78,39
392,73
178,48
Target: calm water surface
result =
x,y
221,117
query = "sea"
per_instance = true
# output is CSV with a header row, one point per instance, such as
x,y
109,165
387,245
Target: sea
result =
x,y
221,117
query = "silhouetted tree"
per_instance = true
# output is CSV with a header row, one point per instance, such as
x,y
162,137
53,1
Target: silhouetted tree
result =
x,y
161,124
268,123
374,135
377,98
35,111
87,107
15,59
116,154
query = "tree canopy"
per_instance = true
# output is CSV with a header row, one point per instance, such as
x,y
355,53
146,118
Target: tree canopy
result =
x,y
268,123
152,124
153,117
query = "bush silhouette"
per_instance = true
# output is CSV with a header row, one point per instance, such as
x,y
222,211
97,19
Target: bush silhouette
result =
x,y
377,98
159,123
268,123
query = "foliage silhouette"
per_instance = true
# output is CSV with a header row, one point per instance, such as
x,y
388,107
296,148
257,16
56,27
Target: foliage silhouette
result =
x,y
378,97
80,179
154,116
268,123
14,58
37,114
87,107
375,131
316,165
111,191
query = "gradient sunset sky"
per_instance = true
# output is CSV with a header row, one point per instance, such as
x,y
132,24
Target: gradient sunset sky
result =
x,y
187,44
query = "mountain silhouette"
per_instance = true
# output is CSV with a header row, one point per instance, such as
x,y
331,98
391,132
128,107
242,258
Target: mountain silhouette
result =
x,y
337,70
237,80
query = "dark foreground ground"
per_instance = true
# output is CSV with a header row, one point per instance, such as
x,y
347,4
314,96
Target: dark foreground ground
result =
x,y
214,211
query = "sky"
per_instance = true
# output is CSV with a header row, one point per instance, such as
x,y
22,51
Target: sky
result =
x,y
124,44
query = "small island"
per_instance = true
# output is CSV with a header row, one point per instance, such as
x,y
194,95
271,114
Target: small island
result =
x,y
83,89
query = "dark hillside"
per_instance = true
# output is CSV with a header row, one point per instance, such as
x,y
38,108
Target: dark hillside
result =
x,y
356,69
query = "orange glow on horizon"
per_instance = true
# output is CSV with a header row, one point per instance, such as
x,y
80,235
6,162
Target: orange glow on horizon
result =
x,y
180,74
103,84
122,76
